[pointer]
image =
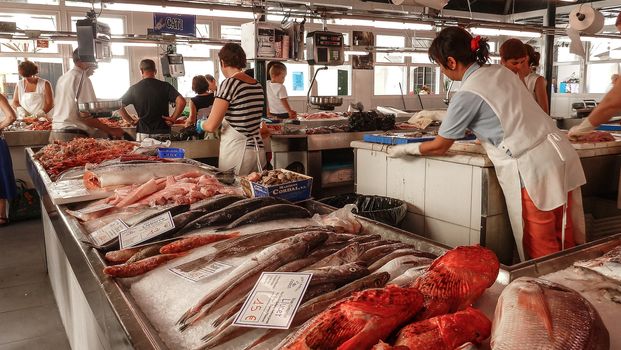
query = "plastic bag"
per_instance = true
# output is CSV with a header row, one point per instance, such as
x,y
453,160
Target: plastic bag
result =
x,y
388,210
25,205
343,220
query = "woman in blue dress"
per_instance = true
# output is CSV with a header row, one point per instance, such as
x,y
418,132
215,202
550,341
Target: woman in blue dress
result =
x,y
7,179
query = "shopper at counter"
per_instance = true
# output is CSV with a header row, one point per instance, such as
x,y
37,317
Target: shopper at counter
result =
x,y
536,165
200,105
150,97
238,108
67,122
33,95
514,56
8,189
277,98
535,83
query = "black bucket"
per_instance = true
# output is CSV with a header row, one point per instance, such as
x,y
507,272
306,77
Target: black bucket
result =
x,y
387,210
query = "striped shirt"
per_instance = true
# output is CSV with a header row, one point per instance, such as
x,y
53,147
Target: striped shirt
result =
x,y
246,102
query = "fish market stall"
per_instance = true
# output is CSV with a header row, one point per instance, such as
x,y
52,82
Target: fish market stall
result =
x,y
472,210
100,312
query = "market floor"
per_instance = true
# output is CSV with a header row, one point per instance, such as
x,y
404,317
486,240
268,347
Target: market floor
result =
x,y
29,317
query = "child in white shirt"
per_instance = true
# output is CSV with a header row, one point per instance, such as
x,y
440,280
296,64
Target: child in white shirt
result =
x,y
277,102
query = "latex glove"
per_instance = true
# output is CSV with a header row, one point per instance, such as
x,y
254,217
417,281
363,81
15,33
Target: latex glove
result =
x,y
431,114
581,129
40,114
21,113
403,150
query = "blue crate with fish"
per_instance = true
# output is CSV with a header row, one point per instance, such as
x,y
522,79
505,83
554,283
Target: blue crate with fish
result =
x,y
170,152
609,127
401,138
280,183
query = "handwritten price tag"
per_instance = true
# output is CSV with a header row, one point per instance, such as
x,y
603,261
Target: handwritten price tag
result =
x,y
108,232
146,230
274,300
200,273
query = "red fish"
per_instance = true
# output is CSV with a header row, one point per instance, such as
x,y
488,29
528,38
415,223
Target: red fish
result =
x,y
359,321
446,332
456,279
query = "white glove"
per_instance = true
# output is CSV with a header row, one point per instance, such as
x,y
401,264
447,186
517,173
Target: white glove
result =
x,y
581,129
431,114
21,113
402,150
40,114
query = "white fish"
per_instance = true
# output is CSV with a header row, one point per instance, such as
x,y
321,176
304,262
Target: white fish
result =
x,y
397,266
410,275
608,264
536,314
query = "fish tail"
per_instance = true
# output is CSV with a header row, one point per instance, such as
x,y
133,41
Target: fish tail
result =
x,y
187,315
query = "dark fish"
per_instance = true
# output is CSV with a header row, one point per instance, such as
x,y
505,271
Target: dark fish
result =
x,y
269,213
348,254
145,252
231,212
372,255
365,239
204,207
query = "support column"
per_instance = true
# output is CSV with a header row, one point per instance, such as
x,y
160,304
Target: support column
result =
x,y
550,21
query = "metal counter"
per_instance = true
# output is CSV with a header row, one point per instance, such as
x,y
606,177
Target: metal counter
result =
x,y
121,324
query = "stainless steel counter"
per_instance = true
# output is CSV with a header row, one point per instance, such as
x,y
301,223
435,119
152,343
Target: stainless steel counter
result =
x,y
116,319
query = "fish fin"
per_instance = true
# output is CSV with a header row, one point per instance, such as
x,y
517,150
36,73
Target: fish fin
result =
x,y
534,300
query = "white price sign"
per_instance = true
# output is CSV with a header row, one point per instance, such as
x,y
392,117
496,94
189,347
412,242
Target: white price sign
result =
x,y
274,300
108,232
200,273
146,230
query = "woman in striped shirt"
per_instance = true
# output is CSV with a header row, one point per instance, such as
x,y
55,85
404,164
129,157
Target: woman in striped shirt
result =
x,y
238,108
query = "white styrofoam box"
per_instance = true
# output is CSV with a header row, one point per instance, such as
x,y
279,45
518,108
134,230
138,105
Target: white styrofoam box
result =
x,y
446,232
414,223
405,180
449,191
475,209
370,172
475,237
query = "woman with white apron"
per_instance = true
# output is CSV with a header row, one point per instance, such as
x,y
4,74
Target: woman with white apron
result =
x,y
536,165
238,108
33,95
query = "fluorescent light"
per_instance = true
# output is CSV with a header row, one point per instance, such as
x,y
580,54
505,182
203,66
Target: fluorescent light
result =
x,y
401,25
504,32
137,44
65,41
356,53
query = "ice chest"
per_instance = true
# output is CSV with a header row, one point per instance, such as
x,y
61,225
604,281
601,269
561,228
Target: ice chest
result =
x,y
294,191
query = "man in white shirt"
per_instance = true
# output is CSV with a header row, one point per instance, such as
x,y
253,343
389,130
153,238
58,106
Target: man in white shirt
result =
x,y
67,122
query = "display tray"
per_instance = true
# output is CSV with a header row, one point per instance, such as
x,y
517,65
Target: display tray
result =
x,y
402,138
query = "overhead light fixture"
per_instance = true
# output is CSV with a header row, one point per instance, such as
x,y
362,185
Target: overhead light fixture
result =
x,y
136,44
356,53
504,32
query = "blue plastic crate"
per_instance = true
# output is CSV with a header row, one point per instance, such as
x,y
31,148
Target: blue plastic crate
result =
x,y
171,152
295,191
609,127
399,140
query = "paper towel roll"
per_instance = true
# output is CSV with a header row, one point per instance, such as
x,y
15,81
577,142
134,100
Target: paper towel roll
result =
x,y
436,4
586,19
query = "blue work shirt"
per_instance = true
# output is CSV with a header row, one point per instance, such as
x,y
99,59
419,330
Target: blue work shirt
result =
x,y
469,111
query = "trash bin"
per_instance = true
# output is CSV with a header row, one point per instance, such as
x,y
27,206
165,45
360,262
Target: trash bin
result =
x,y
387,210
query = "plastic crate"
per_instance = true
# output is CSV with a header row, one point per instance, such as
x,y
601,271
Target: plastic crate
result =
x,y
609,127
399,139
171,152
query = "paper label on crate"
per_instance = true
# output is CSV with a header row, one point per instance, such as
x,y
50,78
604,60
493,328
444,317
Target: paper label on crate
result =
x,y
146,230
108,232
200,273
274,300
95,208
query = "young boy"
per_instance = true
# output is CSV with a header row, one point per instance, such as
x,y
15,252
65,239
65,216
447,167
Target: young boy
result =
x,y
277,102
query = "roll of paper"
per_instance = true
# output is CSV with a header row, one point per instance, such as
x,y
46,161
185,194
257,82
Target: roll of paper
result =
x,y
586,19
576,46
436,4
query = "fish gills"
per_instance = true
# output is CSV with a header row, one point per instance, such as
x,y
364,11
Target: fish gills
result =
x,y
536,314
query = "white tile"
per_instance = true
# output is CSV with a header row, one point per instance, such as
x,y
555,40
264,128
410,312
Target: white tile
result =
x,y
405,180
446,233
448,189
475,237
414,223
370,172
477,190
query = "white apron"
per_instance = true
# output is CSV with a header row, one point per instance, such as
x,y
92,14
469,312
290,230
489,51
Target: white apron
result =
x,y
235,154
533,150
32,102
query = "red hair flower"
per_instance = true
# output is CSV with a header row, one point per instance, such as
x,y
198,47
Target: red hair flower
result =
x,y
474,43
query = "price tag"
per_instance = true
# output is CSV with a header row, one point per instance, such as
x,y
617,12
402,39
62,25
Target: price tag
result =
x,y
274,300
95,208
146,230
108,232
69,188
200,273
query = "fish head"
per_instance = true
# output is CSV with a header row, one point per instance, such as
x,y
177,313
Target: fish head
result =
x,y
380,280
480,264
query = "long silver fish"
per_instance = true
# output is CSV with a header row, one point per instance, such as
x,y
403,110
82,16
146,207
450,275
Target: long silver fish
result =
x,y
537,314
399,265
282,251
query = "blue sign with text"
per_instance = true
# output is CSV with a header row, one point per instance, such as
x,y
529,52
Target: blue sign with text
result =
x,y
174,24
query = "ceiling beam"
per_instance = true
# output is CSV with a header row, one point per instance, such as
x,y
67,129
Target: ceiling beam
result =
x,y
508,4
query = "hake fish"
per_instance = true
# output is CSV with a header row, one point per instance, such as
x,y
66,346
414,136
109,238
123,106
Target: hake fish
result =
x,y
269,213
537,314
282,251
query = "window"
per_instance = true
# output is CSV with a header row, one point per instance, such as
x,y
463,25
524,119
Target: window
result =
x,y
563,55
421,77
597,74
117,26
297,80
193,68
197,50
335,81
230,32
29,22
389,41
390,80
111,79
